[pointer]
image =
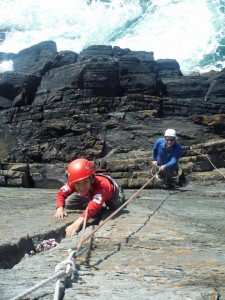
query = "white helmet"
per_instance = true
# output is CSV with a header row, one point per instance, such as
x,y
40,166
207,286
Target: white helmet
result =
x,y
170,132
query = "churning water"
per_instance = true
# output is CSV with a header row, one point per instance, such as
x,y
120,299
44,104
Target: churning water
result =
x,y
190,31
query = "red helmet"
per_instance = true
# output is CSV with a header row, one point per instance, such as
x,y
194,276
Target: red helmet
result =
x,y
79,169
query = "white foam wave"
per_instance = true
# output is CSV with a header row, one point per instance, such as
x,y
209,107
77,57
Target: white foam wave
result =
x,y
6,66
186,30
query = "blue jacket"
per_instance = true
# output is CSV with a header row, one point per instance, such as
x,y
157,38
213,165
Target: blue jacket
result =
x,y
166,156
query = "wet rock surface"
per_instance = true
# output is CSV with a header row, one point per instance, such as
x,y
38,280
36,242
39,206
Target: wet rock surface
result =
x,y
165,244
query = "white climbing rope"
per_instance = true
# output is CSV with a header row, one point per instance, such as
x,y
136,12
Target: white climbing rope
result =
x,y
57,290
63,269
61,266
40,284
68,265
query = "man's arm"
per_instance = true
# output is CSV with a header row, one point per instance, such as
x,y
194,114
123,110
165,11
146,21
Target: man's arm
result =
x,y
155,151
176,156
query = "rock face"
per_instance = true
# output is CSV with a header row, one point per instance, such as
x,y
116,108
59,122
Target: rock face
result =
x,y
162,245
109,105
105,102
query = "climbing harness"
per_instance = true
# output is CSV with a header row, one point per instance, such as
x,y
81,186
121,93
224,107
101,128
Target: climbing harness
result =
x,y
67,267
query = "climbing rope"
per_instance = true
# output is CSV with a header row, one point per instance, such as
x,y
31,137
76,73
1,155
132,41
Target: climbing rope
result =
x,y
63,269
67,266
206,155
154,169
116,211
83,229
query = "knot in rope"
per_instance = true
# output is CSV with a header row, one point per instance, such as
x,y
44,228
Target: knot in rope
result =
x,y
66,265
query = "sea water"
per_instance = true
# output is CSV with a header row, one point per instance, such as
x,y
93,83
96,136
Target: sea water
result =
x,y
190,31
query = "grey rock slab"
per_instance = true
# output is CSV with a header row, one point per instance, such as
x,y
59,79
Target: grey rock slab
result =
x,y
26,220
27,212
162,245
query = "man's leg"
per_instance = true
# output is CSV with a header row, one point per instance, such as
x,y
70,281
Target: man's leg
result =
x,y
167,177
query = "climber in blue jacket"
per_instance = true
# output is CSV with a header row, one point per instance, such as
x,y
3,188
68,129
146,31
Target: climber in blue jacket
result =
x,y
165,155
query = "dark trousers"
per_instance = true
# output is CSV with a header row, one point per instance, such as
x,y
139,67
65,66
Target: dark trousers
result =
x,y
174,175
167,174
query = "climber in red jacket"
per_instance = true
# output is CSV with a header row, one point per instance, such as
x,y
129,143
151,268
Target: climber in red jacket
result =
x,y
85,188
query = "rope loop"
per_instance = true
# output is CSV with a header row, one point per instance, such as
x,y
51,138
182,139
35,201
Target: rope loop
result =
x,y
66,265
154,170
